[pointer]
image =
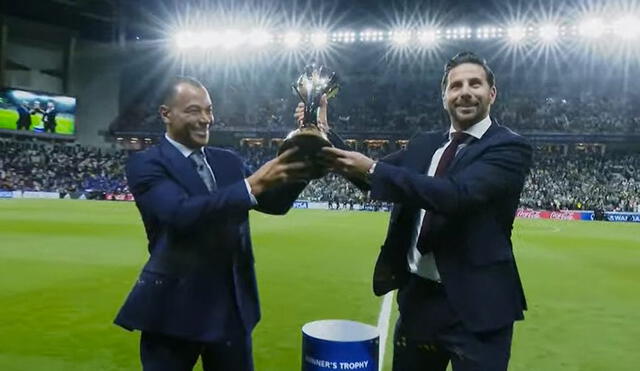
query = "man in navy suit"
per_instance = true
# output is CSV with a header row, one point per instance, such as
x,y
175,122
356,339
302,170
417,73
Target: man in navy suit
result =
x,y
197,295
448,247
24,118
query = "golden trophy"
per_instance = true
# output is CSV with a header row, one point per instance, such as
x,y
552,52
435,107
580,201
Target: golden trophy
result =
x,y
308,137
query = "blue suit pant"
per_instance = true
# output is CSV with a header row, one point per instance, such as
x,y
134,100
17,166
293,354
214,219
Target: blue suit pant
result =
x,y
166,353
429,334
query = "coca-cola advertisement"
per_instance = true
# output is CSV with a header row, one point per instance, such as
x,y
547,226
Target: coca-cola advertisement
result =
x,y
544,214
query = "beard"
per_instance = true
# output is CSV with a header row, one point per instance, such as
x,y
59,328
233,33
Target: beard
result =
x,y
467,116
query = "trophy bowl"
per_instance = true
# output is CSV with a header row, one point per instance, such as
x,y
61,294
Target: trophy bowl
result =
x,y
309,137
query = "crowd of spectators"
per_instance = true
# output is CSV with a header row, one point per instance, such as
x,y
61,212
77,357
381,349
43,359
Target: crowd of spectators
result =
x,y
411,110
582,181
573,181
558,181
37,166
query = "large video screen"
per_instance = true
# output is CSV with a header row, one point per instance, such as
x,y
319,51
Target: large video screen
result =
x,y
36,112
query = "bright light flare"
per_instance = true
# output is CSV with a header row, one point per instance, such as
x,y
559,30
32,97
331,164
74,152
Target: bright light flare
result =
x,y
627,28
259,37
319,39
516,34
549,32
591,28
428,37
292,39
231,39
401,37
185,40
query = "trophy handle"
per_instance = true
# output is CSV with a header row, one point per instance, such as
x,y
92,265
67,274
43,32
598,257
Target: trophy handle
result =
x,y
295,88
308,117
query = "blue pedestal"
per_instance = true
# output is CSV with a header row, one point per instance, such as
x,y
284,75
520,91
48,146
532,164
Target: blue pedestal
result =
x,y
339,345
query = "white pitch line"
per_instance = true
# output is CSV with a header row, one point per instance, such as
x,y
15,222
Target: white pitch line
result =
x,y
383,326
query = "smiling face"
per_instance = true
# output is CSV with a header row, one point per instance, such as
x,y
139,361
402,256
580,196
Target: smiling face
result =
x,y
467,95
188,115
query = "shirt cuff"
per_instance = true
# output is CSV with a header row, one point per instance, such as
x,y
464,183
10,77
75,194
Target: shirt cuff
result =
x,y
254,201
369,174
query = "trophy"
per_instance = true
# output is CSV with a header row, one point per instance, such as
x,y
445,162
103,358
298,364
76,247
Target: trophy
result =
x,y
309,138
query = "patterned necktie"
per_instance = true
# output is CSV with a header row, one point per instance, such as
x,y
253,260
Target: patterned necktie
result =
x,y
203,170
448,155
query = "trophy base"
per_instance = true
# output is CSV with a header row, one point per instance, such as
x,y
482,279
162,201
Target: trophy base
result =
x,y
309,141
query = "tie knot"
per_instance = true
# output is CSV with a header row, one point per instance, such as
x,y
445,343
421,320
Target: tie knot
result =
x,y
459,137
196,156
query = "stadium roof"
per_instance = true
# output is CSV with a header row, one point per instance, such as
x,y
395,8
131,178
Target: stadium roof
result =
x,y
109,19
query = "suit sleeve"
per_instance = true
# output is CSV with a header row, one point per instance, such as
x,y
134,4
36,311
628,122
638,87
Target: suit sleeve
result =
x,y
337,141
500,171
279,200
159,196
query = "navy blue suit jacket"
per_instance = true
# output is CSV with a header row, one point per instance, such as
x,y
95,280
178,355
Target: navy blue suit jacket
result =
x,y
473,208
199,282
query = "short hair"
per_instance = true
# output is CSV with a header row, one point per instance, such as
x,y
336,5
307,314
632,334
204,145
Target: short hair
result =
x,y
169,90
467,57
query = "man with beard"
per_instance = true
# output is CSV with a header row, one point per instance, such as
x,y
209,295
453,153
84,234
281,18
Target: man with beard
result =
x,y
448,247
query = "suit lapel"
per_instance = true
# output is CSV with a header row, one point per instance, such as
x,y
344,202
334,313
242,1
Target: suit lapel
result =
x,y
182,169
222,169
418,159
424,151
474,148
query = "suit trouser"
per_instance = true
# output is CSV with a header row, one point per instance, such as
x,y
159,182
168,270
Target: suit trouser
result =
x,y
429,335
166,353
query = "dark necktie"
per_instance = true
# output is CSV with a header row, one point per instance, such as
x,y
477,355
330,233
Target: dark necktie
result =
x,y
448,155
203,170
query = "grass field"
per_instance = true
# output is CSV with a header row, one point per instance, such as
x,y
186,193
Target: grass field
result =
x,y
66,266
8,120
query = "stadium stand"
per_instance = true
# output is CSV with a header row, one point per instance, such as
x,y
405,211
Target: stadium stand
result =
x,y
586,114
574,181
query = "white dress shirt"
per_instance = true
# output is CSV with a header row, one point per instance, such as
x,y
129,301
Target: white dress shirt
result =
x,y
425,265
186,152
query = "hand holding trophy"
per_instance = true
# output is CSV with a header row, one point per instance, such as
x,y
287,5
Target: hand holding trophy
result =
x,y
314,85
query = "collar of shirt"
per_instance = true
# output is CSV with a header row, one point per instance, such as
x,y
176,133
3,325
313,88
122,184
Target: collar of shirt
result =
x,y
476,130
186,151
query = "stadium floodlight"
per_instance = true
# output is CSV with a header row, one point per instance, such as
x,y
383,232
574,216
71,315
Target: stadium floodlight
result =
x,y
205,39
292,39
231,39
516,34
591,28
319,39
344,37
549,32
350,37
400,37
627,28
23,95
369,35
259,37
65,101
184,40
458,33
428,37
488,32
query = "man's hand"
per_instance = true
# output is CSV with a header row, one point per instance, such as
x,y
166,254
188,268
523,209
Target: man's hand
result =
x,y
323,123
279,171
351,164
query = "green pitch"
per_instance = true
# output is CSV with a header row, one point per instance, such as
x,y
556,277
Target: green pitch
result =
x,y
66,266
8,120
